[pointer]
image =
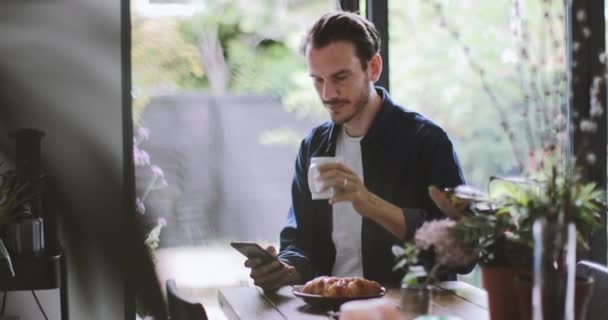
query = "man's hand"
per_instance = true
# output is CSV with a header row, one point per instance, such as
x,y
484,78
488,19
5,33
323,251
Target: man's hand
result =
x,y
348,187
443,203
272,275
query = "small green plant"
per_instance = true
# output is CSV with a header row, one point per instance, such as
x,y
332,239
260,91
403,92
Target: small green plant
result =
x,y
13,206
13,197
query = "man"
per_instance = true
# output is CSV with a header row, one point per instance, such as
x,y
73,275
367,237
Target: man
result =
x,y
391,156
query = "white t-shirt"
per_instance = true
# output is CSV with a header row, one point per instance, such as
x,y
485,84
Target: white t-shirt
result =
x,y
346,232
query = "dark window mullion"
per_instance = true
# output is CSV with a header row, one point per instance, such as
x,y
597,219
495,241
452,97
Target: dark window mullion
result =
x,y
348,5
587,17
377,12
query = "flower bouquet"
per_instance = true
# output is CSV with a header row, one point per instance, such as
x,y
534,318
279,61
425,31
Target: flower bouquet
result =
x,y
434,251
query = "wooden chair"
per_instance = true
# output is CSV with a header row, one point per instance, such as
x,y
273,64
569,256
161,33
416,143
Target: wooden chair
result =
x,y
181,307
598,304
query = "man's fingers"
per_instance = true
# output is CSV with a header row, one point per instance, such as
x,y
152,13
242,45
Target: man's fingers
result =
x,y
252,263
338,182
443,203
264,269
290,269
341,198
334,166
328,176
272,250
273,279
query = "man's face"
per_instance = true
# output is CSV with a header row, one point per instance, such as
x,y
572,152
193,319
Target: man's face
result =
x,y
339,79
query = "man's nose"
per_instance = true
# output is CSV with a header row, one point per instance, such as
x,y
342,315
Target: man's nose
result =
x,y
329,91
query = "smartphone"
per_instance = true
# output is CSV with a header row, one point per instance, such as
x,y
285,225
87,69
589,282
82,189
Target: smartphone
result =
x,y
253,250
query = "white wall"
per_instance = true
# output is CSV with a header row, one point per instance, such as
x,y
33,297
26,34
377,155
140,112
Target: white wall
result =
x,y
60,71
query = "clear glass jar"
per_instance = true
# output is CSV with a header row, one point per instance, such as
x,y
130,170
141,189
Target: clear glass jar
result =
x,y
415,301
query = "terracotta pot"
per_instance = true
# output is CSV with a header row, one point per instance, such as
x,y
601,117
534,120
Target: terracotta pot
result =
x,y
582,293
500,285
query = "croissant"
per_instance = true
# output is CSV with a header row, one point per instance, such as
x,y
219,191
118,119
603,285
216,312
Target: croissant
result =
x,y
334,287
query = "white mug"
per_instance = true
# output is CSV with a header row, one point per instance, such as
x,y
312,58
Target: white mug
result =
x,y
315,185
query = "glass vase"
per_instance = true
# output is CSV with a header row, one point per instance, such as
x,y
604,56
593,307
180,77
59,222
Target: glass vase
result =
x,y
415,301
554,270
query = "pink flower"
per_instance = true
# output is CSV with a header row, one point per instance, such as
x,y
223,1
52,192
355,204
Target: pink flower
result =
x,y
449,251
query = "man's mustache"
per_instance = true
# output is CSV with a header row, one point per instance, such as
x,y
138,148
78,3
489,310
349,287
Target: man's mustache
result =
x,y
334,102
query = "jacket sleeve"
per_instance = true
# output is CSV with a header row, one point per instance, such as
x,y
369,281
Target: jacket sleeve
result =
x,y
439,166
294,241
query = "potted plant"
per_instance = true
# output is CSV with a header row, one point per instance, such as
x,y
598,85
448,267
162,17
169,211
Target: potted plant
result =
x,y
556,217
501,226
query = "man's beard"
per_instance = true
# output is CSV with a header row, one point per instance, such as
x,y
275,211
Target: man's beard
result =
x,y
359,104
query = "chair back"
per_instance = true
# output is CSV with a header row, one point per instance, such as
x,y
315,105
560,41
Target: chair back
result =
x,y
598,304
181,307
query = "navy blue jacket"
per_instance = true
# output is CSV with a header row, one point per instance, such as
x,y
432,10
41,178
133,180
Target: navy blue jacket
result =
x,y
402,153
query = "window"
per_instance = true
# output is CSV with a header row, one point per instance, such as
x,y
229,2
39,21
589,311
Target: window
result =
x,y
491,73
209,168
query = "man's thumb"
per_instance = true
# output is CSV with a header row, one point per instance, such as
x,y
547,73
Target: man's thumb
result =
x,y
272,250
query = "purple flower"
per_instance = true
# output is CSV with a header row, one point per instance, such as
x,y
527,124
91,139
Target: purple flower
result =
x,y
162,221
139,206
143,133
449,251
157,171
140,157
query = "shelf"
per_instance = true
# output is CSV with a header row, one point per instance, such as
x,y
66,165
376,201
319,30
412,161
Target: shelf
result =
x,y
32,273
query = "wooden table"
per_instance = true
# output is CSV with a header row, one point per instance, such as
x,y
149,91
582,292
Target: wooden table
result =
x,y
243,303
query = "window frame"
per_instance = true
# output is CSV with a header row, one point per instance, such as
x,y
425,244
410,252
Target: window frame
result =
x,y
583,66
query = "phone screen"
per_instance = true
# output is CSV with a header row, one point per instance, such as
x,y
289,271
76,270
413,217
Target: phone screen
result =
x,y
253,251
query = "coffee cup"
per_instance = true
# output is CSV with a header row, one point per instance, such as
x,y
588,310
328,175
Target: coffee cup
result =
x,y
313,183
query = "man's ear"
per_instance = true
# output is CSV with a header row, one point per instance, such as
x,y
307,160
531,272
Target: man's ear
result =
x,y
374,67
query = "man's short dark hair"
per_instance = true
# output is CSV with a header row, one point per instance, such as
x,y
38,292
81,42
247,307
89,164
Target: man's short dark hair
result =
x,y
344,26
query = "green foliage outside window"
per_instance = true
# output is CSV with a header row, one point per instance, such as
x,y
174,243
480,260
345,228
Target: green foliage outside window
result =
x,y
231,46
442,55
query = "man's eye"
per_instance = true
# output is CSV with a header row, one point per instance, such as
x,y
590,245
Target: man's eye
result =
x,y
342,78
